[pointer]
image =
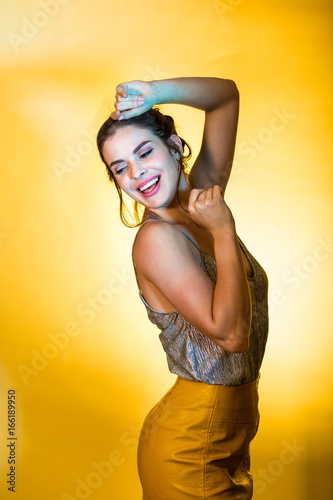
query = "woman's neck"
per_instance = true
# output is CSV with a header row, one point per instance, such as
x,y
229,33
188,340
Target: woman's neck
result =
x,y
178,211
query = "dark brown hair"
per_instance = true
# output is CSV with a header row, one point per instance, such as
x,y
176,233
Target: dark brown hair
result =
x,y
163,126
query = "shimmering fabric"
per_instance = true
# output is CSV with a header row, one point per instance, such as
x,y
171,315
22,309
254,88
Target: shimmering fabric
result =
x,y
194,443
191,355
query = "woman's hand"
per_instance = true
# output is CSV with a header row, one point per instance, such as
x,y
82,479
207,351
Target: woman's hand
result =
x,y
133,98
208,208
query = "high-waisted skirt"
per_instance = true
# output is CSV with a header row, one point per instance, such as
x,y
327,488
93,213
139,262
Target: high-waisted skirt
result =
x,y
194,443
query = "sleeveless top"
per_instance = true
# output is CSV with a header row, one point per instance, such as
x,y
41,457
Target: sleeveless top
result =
x,y
192,355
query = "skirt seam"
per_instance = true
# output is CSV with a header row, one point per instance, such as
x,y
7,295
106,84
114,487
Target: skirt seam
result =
x,y
206,447
174,387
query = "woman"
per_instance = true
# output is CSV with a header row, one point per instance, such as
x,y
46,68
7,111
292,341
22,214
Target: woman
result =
x,y
200,285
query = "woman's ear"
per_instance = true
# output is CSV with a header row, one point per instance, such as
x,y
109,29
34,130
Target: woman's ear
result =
x,y
178,143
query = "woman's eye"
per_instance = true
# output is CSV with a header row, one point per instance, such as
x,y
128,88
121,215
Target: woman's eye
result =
x,y
147,153
120,170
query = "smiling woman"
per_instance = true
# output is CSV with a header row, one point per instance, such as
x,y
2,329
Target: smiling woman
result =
x,y
152,135
199,283
147,159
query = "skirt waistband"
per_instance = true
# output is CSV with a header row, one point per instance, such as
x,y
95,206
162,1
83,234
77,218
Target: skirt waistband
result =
x,y
230,403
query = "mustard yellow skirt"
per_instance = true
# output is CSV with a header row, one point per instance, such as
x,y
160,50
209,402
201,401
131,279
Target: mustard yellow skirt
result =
x,y
194,443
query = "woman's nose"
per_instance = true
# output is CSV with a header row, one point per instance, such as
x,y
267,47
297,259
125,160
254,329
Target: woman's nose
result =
x,y
138,171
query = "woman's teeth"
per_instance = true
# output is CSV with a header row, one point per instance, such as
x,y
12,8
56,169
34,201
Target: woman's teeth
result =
x,y
149,184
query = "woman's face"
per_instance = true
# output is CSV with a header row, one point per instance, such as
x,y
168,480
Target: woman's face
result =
x,y
143,166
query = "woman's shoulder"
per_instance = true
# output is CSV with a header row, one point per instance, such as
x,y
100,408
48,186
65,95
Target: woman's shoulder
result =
x,y
158,239
155,232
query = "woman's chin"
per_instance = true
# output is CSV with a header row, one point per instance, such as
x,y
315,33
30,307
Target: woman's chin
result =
x,y
160,201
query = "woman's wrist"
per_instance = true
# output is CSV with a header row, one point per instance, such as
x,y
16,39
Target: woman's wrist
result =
x,y
224,234
165,91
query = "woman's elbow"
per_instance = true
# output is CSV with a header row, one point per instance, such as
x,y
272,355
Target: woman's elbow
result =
x,y
237,340
242,346
229,90
234,90
233,345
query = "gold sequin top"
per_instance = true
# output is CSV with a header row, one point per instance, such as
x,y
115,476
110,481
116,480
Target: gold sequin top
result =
x,y
193,356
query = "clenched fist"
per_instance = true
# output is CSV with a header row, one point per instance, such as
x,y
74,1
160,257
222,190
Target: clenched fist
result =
x,y
208,208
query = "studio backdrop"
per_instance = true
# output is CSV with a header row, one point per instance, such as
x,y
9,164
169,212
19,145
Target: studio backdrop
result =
x,y
81,365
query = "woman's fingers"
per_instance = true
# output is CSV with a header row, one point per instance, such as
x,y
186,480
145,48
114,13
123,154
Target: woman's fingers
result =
x,y
201,195
132,99
200,199
129,104
217,192
194,194
121,90
209,195
134,87
127,108
208,208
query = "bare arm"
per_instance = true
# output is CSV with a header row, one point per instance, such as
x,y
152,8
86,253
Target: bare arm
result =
x,y
165,259
217,97
202,93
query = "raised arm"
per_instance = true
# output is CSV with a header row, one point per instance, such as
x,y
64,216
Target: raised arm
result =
x,y
217,97
164,258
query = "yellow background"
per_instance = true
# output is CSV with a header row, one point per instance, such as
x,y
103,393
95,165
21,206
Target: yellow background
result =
x,y
66,270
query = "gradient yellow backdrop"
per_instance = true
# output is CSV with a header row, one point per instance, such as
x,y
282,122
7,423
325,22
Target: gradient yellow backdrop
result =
x,y
76,344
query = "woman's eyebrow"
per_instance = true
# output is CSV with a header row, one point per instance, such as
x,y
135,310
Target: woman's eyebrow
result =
x,y
134,152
